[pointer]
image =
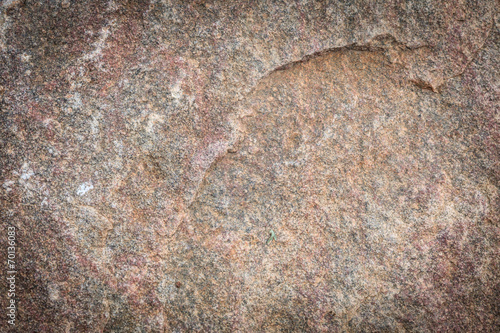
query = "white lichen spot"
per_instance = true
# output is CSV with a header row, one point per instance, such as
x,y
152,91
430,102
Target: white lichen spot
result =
x,y
27,172
94,126
75,100
52,151
53,290
176,91
26,58
7,185
84,188
118,147
153,119
112,6
99,45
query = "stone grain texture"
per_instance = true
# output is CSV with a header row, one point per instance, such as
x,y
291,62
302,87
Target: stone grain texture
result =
x,y
149,147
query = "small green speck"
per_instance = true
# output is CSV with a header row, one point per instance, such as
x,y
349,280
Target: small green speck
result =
x,y
271,237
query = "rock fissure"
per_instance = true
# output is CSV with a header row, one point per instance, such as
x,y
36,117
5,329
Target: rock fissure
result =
x,y
367,47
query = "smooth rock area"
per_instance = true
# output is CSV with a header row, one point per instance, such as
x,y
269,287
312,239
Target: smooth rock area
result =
x,y
149,148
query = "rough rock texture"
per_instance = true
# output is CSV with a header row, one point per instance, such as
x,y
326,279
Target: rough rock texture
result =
x,y
149,147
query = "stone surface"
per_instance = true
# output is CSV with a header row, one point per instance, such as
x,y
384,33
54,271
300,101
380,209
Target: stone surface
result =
x,y
149,148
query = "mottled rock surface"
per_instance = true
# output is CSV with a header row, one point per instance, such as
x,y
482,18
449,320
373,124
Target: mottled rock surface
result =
x,y
148,148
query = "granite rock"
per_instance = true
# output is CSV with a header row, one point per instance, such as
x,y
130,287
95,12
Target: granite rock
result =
x,y
150,147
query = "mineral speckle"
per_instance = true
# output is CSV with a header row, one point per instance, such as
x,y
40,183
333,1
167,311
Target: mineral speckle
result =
x,y
149,147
